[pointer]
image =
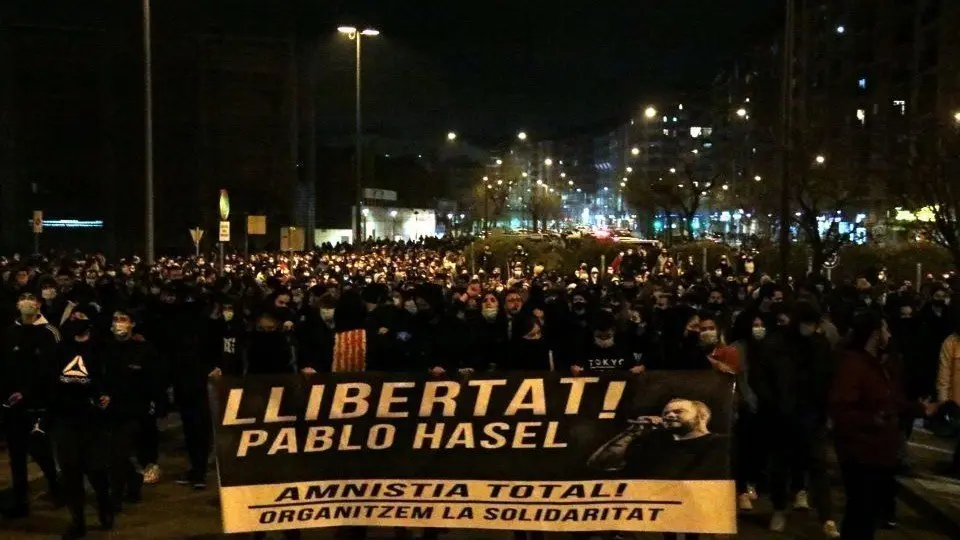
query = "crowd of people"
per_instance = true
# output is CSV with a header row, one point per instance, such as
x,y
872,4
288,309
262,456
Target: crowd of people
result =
x,y
95,350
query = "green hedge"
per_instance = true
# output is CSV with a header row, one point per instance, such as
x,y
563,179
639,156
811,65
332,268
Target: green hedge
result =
x,y
900,260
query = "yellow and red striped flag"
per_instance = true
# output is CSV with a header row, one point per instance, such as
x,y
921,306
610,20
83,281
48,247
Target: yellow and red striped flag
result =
x,y
350,352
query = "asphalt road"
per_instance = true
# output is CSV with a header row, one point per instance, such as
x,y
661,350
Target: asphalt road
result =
x,y
176,512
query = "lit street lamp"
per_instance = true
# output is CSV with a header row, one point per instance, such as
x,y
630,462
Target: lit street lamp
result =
x,y
821,160
741,112
757,178
673,170
635,151
650,113
352,33
956,117
522,135
451,136
548,162
499,162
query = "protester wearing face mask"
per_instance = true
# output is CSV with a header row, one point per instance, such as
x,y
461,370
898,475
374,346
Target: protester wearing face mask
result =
x,y
78,425
527,350
750,335
137,389
798,379
605,351
28,351
935,324
488,329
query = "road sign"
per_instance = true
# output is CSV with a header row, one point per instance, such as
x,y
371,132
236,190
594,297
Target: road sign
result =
x,y
292,239
196,235
37,221
224,205
257,225
224,231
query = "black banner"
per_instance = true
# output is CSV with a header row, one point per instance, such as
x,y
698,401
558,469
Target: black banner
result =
x,y
520,451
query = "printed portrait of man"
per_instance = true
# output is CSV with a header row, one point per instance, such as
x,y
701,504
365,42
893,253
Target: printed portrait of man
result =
x,y
677,445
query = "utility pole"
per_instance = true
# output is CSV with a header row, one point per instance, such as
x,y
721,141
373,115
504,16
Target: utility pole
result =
x,y
786,127
148,131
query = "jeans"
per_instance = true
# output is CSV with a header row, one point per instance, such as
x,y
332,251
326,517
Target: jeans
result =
x,y
799,452
870,491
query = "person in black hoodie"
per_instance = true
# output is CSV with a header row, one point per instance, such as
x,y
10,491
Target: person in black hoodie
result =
x,y
135,387
224,340
269,349
78,425
440,338
527,350
27,359
488,328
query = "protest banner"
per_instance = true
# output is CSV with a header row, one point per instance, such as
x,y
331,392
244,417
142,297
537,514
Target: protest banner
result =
x,y
513,451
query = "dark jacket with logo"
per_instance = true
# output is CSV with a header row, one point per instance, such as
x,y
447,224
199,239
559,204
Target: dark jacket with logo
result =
x,y
78,382
596,358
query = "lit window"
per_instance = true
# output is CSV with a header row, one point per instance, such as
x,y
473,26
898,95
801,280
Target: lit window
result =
x,y
674,119
841,29
681,106
665,119
696,131
862,84
862,116
666,132
902,105
707,131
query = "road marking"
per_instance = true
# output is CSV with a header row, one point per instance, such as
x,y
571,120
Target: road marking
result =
x,y
931,448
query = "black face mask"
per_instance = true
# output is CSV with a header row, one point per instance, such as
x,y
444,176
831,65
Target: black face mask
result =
x,y
77,327
938,303
579,308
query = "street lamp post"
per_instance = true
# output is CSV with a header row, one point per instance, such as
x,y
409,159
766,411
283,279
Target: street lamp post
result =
x,y
357,35
148,132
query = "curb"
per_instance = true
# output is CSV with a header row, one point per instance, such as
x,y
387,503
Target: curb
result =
x,y
926,504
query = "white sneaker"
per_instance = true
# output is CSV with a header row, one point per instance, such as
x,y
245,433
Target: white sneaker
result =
x,y
744,502
752,492
151,474
802,502
830,529
778,523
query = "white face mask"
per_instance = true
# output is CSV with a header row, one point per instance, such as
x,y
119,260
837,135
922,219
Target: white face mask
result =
x,y
326,314
490,314
121,328
228,315
411,307
708,337
48,294
759,332
603,343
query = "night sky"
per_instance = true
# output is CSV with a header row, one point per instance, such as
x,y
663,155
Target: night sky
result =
x,y
488,68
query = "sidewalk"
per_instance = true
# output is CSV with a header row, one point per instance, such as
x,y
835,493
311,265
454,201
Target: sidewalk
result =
x,y
925,488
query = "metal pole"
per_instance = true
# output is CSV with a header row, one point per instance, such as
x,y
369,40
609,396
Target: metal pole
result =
x,y
36,243
196,249
919,275
246,238
221,258
148,130
358,152
785,136
704,261
603,266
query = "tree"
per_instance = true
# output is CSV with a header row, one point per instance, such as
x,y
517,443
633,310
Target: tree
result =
x,y
826,184
927,176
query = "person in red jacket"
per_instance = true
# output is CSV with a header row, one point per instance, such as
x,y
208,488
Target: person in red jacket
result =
x,y
866,404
